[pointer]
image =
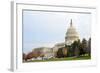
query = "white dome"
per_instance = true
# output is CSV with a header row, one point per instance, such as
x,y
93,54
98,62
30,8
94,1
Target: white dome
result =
x,y
71,35
71,32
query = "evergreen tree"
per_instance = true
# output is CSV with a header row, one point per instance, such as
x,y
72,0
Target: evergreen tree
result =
x,y
89,46
75,47
84,46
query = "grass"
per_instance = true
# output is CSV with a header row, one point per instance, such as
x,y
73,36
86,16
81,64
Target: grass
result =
x,y
63,59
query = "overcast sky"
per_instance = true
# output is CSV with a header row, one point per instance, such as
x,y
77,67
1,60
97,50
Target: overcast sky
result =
x,y
48,28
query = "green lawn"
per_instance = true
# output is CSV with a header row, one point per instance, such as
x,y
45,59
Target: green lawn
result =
x,y
64,59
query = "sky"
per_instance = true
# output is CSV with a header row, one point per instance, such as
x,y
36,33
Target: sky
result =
x,y
45,29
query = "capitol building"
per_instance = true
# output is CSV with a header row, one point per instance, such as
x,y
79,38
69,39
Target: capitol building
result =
x,y
70,36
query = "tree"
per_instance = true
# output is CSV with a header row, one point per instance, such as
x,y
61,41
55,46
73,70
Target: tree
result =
x,y
81,49
62,52
89,47
59,53
24,56
75,47
33,54
70,51
29,56
84,46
